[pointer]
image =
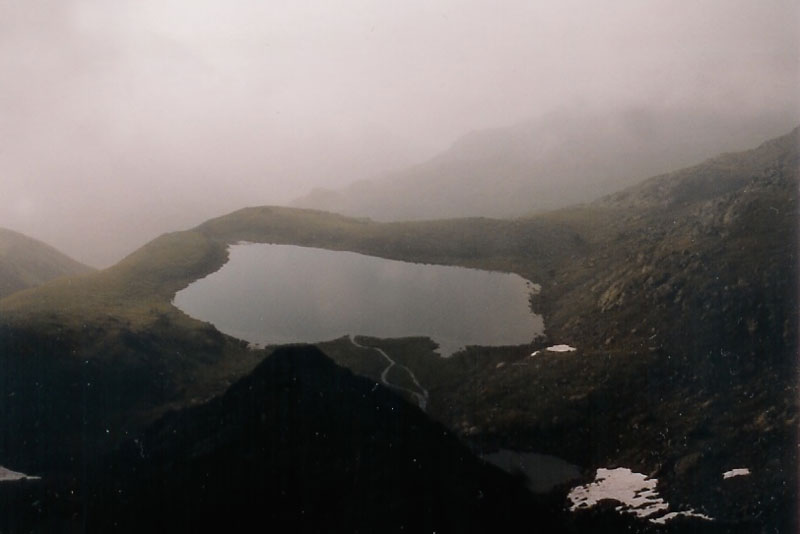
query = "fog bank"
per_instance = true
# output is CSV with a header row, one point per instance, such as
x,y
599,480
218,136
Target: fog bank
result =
x,y
126,119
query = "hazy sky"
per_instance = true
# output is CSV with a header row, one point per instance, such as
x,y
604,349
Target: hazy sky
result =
x,y
122,119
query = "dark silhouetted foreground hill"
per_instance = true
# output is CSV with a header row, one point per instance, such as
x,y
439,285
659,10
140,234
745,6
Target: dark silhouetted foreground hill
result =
x,y
305,445
298,444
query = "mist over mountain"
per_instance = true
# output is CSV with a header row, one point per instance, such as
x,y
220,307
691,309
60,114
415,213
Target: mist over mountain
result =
x,y
122,123
26,262
636,164
555,160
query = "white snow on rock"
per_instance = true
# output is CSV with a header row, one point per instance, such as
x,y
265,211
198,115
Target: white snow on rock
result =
x,y
7,475
635,492
672,515
738,472
561,348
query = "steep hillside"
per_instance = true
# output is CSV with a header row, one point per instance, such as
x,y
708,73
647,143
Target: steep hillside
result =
x,y
546,163
683,307
717,231
680,295
26,262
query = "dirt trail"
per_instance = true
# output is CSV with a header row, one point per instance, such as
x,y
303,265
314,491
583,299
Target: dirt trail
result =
x,y
421,396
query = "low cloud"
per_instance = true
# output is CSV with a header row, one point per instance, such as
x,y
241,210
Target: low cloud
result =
x,y
124,120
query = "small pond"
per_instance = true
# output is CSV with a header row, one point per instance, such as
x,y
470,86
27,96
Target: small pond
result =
x,y
543,472
275,294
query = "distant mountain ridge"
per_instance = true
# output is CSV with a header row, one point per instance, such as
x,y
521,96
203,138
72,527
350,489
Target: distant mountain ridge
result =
x,y
546,163
716,176
26,262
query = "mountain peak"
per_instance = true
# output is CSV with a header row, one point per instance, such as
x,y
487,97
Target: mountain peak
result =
x,y
559,159
26,262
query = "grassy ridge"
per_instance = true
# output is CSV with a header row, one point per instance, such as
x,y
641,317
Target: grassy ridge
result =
x,y
137,287
133,298
531,247
149,278
119,325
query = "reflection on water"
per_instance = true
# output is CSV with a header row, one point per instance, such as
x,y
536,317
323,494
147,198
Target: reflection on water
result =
x,y
542,471
284,294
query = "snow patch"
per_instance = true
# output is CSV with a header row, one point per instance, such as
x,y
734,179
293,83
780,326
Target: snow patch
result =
x,y
672,515
738,472
636,492
561,348
7,475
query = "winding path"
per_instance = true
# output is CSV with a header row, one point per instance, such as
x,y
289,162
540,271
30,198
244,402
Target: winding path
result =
x,y
421,396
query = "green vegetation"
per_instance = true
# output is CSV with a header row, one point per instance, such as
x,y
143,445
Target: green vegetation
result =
x,y
680,295
137,288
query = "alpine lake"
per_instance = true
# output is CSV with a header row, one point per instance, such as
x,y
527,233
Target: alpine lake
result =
x,y
278,294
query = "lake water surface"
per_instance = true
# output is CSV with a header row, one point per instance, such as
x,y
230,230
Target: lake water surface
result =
x,y
275,294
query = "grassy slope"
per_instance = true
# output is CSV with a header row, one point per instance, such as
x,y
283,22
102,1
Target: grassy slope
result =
x,y
26,262
128,354
147,280
680,295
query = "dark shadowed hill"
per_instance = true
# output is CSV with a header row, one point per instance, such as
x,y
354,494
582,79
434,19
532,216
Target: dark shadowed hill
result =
x,y
303,443
546,163
26,262
298,443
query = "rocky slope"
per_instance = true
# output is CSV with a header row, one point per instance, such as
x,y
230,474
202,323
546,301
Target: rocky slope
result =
x,y
683,307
